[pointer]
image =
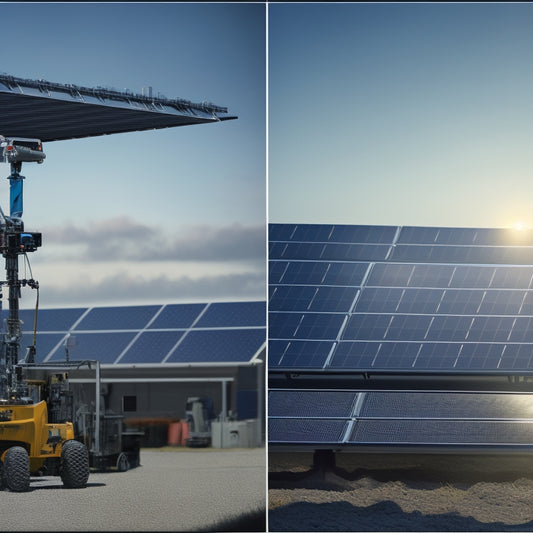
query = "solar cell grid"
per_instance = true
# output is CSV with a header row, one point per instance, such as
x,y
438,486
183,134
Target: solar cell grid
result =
x,y
151,347
464,236
280,232
50,319
298,354
438,405
441,432
233,314
44,344
396,355
306,431
177,316
104,347
460,302
438,356
218,346
107,318
302,404
356,355
463,254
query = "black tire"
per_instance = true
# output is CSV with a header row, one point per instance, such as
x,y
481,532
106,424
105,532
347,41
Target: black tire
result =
x,y
123,463
16,469
74,464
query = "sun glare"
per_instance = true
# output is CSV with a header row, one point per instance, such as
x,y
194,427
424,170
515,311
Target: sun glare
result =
x,y
519,226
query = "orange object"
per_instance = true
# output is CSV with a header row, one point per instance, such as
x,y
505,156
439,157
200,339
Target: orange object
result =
x,y
184,432
174,434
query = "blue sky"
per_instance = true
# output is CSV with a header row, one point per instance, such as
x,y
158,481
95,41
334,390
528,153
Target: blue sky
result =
x,y
402,114
167,215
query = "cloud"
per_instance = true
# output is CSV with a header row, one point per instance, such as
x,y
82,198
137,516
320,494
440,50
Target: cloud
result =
x,y
123,288
122,238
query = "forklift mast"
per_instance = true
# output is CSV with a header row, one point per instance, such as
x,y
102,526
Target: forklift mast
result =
x,y
14,241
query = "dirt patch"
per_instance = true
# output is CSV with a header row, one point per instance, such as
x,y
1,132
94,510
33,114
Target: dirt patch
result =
x,y
401,493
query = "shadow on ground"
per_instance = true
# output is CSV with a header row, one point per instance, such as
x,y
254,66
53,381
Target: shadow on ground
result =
x,y
382,516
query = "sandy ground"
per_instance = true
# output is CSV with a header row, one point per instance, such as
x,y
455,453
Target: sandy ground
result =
x,y
401,493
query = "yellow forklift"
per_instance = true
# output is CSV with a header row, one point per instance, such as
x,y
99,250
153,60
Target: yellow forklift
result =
x,y
36,436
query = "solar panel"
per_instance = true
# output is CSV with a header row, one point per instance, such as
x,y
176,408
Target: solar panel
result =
x,y
394,299
233,333
177,316
103,347
151,347
218,346
288,354
107,318
50,319
45,343
52,111
365,418
233,314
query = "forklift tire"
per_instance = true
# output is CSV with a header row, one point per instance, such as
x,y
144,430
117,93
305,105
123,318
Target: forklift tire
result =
x,y
123,464
74,464
16,469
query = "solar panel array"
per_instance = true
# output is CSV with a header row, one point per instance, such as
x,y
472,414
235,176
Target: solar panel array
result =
x,y
400,299
196,333
52,111
379,420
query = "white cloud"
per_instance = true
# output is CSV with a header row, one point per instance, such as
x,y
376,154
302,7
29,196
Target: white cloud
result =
x,y
123,262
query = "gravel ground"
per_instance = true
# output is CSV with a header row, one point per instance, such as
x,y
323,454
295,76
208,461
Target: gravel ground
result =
x,y
172,490
402,493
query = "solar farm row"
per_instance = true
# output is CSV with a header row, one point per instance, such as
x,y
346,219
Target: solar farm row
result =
x,y
400,299
403,420
219,332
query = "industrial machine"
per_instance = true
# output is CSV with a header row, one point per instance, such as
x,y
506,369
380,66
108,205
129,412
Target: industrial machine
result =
x,y
199,413
36,435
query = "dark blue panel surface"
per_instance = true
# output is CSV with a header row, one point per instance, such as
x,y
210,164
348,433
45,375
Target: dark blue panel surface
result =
x,y
316,326
442,432
465,236
294,430
218,346
151,347
104,347
105,318
460,302
387,327
463,254
332,233
397,355
325,404
328,251
308,298
177,316
316,273
44,344
50,319
280,232
298,354
438,356
355,355
233,314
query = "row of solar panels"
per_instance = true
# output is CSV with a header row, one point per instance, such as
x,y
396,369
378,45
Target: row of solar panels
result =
x,y
342,233
395,301
220,332
520,255
381,315
380,420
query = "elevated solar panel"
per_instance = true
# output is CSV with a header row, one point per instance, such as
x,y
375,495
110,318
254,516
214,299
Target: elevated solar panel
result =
x,y
407,420
53,111
386,299
233,333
